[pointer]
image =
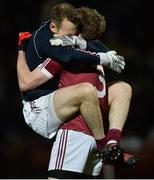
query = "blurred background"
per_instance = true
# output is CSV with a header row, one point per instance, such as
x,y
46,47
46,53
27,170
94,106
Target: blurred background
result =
x,y
130,31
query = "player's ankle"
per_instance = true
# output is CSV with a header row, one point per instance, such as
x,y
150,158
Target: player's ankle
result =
x,y
100,144
113,135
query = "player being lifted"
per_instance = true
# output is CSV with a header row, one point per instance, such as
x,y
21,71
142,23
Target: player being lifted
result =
x,y
85,100
113,131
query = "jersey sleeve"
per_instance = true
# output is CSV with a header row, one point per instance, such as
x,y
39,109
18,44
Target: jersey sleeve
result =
x,y
96,46
50,68
65,54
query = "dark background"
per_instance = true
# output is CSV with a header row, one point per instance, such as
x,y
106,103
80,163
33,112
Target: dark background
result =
x,y
130,31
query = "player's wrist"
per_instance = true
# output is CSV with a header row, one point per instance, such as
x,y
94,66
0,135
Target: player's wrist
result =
x,y
21,51
21,48
104,58
23,39
80,42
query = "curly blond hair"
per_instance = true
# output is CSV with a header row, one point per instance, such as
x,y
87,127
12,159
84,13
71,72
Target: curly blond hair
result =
x,y
93,23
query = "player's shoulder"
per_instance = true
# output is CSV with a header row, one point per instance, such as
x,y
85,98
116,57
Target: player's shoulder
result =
x,y
43,32
45,23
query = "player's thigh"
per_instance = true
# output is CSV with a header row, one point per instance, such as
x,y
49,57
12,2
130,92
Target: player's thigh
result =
x,y
67,100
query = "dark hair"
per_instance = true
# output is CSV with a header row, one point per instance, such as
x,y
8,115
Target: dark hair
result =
x,y
92,21
64,10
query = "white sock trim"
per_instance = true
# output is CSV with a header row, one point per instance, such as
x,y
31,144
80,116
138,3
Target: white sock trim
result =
x,y
111,141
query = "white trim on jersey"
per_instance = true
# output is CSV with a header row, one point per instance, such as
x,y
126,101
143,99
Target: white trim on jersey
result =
x,y
46,72
42,68
34,39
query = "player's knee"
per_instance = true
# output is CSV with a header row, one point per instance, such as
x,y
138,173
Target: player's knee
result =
x,y
88,90
124,89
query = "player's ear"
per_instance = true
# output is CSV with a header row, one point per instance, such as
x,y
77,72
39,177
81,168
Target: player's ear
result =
x,y
53,27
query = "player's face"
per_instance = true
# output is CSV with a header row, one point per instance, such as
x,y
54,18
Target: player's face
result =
x,y
66,28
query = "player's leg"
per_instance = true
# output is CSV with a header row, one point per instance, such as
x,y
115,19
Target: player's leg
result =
x,y
80,98
119,98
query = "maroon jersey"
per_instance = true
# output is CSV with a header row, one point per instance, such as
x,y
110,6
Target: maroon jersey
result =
x,y
73,75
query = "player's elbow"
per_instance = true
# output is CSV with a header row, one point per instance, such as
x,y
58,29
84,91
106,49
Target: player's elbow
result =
x,y
22,88
25,85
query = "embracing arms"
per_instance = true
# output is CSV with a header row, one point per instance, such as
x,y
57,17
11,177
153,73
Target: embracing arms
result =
x,y
31,79
107,57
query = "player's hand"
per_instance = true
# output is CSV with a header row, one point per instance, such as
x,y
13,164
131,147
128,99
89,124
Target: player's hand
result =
x,y
69,41
112,61
23,39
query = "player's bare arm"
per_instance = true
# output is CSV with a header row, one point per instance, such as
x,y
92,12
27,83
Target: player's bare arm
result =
x,y
28,79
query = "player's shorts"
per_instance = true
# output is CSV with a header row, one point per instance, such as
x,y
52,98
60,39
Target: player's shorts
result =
x,y
75,151
41,116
